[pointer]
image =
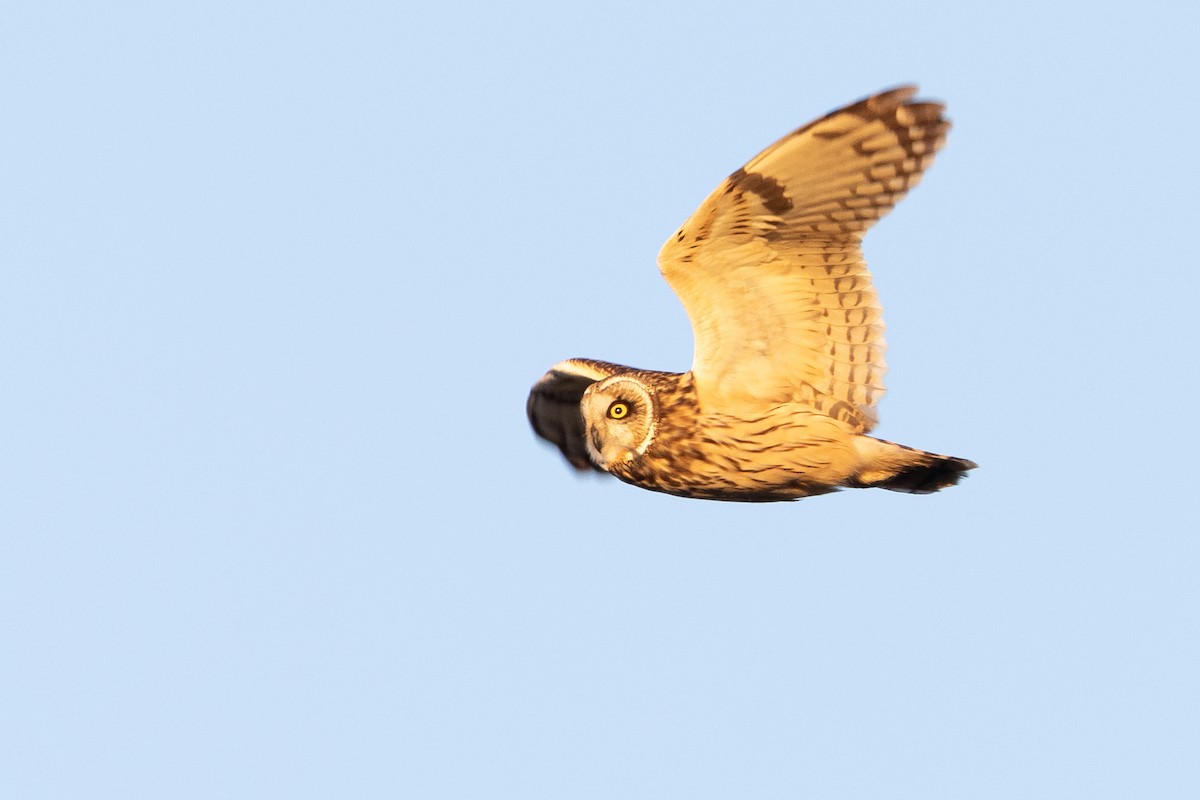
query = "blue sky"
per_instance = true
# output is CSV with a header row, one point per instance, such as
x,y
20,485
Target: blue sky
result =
x,y
278,278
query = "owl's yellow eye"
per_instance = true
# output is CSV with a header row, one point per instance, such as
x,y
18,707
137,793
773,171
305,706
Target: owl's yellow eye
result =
x,y
618,410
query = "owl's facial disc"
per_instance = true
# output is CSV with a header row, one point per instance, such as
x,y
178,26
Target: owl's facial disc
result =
x,y
618,413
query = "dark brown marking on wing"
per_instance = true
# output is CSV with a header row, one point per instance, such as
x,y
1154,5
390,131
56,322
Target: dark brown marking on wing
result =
x,y
774,198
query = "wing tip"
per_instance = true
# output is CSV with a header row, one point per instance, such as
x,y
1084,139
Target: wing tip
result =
x,y
890,98
552,407
903,96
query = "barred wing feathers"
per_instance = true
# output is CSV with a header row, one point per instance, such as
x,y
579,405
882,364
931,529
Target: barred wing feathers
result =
x,y
770,268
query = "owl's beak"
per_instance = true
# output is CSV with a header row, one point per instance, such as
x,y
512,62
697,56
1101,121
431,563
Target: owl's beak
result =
x,y
597,442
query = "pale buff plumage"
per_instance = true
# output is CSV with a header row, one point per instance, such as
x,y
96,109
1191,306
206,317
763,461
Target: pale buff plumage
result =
x,y
788,363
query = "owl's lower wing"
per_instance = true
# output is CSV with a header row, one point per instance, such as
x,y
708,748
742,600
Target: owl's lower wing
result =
x,y
770,268
553,406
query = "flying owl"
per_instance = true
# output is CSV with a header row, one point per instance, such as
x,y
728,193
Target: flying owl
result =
x,y
788,363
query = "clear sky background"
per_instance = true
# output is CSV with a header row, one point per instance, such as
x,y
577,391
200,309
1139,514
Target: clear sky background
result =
x,y
276,280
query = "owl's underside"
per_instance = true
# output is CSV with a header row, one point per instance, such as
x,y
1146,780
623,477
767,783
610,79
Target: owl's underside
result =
x,y
789,363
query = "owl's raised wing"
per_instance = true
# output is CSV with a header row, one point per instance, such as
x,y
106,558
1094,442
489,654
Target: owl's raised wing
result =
x,y
770,268
553,406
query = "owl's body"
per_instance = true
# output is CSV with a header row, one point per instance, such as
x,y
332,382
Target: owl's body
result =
x,y
789,348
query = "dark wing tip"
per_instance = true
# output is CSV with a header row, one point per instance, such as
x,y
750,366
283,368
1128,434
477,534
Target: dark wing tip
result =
x,y
898,104
929,476
890,98
554,413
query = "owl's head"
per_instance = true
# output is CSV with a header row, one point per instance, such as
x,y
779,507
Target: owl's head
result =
x,y
619,414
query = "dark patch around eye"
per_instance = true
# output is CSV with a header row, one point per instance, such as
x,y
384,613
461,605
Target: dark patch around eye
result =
x,y
623,413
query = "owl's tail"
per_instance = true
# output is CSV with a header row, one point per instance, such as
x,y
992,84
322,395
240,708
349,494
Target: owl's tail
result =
x,y
887,465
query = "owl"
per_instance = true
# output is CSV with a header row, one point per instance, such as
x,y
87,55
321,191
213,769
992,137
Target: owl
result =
x,y
788,364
